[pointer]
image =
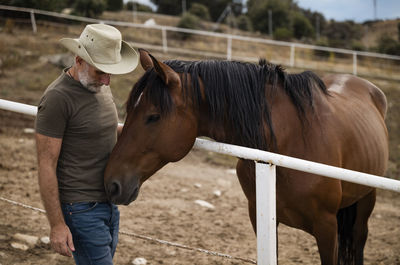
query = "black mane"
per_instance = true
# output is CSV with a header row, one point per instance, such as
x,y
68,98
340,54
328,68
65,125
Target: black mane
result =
x,y
235,93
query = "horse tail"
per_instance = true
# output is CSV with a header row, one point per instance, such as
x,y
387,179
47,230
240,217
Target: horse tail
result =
x,y
346,218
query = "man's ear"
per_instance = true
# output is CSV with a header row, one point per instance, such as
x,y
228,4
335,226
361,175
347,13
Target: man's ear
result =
x,y
145,59
78,60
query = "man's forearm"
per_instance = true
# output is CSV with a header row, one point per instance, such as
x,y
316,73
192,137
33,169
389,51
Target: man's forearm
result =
x,y
49,192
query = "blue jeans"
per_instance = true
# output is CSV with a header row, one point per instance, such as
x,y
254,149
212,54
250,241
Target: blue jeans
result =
x,y
94,227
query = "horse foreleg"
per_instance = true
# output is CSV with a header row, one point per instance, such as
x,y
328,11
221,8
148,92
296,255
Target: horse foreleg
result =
x,y
360,229
253,215
325,232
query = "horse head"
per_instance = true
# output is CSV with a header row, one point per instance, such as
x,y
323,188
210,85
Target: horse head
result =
x,y
160,127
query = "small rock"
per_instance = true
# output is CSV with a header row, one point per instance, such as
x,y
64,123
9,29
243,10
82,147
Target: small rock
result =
x,y
60,60
30,240
21,140
217,193
378,216
218,222
139,261
150,22
29,130
231,171
45,240
184,190
197,185
204,204
19,246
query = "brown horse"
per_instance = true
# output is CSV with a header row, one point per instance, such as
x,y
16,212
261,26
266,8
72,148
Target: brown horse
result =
x,y
338,121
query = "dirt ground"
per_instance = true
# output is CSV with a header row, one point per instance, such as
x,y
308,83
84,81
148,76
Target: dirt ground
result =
x,y
166,210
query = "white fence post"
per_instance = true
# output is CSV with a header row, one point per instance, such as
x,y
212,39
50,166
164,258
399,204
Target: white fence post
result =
x,y
292,53
33,21
229,48
354,63
266,213
164,40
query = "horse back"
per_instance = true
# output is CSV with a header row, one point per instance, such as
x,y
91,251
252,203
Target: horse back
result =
x,y
355,86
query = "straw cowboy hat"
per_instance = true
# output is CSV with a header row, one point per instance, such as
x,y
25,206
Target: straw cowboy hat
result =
x,y
102,46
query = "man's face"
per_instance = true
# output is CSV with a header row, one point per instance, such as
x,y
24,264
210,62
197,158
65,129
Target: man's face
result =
x,y
91,77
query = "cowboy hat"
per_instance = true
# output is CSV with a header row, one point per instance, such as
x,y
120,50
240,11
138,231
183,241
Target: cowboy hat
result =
x,y
102,46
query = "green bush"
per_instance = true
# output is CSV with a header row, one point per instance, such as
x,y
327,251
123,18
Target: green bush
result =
x,y
322,42
357,46
89,8
283,34
139,7
200,11
188,21
388,45
244,23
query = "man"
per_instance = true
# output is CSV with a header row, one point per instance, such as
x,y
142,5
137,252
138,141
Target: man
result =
x,y
76,129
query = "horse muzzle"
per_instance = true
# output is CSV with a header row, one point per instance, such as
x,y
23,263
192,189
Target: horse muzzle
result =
x,y
118,193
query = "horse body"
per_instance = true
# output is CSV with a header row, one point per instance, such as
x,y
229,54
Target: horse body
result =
x,y
342,126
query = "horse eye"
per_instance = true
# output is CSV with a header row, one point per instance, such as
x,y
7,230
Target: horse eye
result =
x,y
152,118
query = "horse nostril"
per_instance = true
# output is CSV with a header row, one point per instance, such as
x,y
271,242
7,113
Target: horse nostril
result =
x,y
115,189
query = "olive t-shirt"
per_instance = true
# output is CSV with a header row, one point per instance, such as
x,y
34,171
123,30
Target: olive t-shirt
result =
x,y
87,123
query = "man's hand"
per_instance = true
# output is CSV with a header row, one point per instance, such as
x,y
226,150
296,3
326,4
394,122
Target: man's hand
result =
x,y
61,240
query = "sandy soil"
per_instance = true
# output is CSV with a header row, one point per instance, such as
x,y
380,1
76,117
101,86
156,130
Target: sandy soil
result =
x,y
166,210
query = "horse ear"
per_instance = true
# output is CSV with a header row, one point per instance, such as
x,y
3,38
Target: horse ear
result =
x,y
145,59
165,72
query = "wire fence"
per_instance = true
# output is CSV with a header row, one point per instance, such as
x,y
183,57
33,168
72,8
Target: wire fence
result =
x,y
147,238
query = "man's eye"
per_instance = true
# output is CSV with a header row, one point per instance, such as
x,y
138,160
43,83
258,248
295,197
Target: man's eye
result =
x,y
153,118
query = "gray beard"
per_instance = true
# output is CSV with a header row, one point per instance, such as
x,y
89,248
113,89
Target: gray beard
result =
x,y
94,89
86,82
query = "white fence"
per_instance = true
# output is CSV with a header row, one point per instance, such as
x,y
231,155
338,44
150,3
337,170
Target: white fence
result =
x,y
292,46
265,178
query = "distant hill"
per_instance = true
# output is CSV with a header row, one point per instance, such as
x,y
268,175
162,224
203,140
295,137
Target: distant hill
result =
x,y
374,30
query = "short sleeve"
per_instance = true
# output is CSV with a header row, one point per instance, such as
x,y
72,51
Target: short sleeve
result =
x,y
52,114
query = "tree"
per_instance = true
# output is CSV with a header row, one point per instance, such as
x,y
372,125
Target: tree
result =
x,y
302,26
115,5
244,23
341,34
174,7
398,31
89,8
258,14
169,7
50,5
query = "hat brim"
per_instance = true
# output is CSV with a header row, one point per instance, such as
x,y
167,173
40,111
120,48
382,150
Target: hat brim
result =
x,y
129,57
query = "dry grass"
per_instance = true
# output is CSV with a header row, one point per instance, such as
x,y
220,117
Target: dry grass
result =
x,y
376,30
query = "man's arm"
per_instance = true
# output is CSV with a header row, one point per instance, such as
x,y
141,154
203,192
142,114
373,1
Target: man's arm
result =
x,y
48,151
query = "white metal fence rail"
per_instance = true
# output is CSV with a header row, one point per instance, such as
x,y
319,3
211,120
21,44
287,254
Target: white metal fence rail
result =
x,y
266,163
229,37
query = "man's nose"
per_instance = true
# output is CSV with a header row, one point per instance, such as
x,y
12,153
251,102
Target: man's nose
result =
x,y
105,79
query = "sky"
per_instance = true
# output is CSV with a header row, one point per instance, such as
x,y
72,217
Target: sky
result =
x,y
340,10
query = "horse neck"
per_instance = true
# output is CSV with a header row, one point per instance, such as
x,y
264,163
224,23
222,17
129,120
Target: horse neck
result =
x,y
283,112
